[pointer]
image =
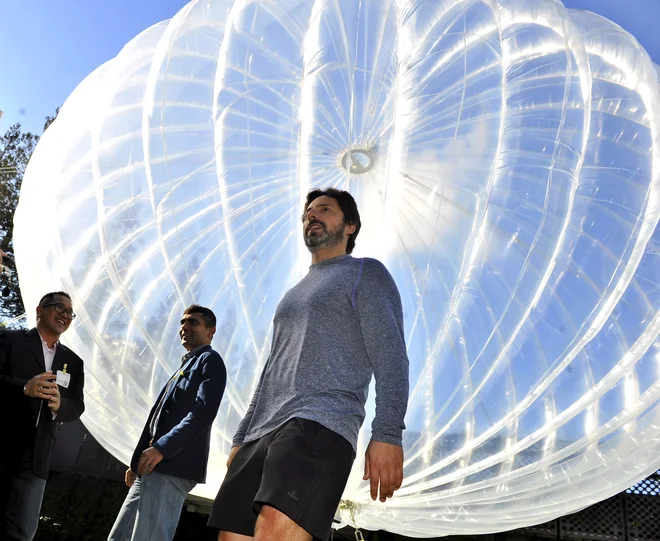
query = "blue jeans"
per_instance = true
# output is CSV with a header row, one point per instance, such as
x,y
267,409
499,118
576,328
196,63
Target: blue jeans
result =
x,y
152,509
22,494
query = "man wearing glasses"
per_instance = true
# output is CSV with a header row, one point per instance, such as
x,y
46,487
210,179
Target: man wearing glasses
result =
x,y
41,384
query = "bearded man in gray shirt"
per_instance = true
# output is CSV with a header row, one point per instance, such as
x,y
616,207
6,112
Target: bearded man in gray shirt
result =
x,y
294,449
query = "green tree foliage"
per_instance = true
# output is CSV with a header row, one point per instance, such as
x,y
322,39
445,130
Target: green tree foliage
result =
x,y
16,147
15,150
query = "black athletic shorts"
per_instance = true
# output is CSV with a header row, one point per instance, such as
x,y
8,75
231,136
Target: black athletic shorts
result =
x,y
300,469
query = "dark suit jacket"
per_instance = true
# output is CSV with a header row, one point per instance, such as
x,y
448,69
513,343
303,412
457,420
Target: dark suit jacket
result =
x,y
22,358
183,433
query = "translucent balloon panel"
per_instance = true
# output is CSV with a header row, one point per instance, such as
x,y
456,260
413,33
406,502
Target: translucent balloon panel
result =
x,y
505,158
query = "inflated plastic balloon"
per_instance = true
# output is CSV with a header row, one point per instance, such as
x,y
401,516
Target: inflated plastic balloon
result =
x,y
506,160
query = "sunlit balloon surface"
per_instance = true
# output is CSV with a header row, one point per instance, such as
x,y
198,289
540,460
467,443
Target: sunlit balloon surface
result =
x,y
505,157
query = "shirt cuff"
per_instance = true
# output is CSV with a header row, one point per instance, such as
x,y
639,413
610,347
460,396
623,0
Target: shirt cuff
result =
x,y
387,438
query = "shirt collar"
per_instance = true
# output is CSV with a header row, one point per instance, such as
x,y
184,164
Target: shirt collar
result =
x,y
45,344
193,352
330,261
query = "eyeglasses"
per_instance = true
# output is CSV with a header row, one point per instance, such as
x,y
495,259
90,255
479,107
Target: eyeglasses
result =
x,y
61,309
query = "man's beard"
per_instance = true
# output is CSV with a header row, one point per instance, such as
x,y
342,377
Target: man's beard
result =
x,y
328,239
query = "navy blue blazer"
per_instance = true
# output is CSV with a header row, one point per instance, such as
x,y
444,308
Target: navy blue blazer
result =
x,y
183,433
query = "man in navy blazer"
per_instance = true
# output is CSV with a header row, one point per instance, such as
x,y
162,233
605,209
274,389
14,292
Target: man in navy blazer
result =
x,y
171,455
41,384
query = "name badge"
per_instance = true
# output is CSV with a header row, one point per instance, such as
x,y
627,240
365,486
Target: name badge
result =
x,y
63,379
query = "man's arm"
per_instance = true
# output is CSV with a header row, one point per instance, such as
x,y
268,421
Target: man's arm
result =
x,y
72,408
6,377
142,444
243,426
203,412
378,306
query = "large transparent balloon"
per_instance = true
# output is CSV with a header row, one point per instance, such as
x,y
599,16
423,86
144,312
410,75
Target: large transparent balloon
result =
x,y
506,160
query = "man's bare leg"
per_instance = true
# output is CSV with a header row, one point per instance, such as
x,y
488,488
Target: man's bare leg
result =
x,y
273,525
229,536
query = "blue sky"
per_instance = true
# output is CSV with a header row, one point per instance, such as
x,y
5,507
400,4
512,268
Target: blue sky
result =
x,y
49,47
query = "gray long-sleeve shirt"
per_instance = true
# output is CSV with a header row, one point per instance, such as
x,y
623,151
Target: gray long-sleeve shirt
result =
x,y
339,325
